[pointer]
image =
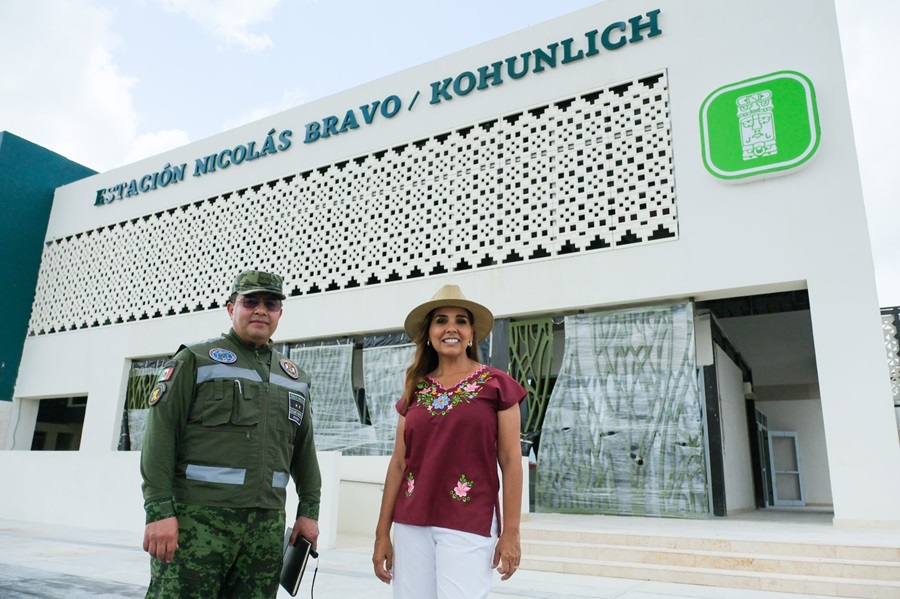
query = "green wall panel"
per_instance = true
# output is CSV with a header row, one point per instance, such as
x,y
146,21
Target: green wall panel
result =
x,y
29,174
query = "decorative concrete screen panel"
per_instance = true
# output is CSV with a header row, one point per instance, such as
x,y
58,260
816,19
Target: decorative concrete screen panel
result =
x,y
890,320
384,372
623,432
586,173
337,424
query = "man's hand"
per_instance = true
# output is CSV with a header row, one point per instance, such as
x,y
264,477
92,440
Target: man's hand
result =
x,y
308,529
161,539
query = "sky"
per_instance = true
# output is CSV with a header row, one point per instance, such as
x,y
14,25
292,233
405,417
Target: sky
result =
x,y
108,82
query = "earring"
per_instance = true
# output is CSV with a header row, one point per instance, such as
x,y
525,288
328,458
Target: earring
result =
x,y
470,344
428,343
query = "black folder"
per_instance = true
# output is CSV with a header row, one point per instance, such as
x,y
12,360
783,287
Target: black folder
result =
x,y
294,562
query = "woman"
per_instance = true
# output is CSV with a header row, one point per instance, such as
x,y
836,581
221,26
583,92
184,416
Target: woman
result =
x,y
458,420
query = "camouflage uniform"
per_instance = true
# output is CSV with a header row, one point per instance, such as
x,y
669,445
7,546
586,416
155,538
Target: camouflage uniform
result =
x,y
222,552
229,424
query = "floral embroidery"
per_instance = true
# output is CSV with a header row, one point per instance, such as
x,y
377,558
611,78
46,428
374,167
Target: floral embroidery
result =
x,y
410,484
439,401
461,492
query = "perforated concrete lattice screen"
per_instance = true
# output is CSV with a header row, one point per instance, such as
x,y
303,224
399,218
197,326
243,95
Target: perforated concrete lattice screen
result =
x,y
586,173
889,320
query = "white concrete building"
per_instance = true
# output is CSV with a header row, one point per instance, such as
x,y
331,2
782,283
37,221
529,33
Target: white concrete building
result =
x,y
659,200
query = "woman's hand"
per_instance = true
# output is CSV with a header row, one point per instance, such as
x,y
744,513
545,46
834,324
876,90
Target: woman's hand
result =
x,y
383,555
508,552
383,559
507,555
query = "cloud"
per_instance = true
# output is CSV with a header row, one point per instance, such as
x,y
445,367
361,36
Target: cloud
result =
x,y
290,98
66,91
228,20
74,102
151,144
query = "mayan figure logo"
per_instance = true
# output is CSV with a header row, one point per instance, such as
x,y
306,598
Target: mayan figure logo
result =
x,y
755,144
757,118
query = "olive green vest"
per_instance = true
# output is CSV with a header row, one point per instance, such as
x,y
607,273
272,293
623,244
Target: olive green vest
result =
x,y
241,421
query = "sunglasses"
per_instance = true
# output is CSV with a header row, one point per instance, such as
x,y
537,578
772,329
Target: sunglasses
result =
x,y
251,302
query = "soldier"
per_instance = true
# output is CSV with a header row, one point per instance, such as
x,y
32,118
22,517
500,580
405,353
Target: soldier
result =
x,y
230,423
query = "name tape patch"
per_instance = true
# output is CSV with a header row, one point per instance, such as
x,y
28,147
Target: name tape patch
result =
x,y
296,407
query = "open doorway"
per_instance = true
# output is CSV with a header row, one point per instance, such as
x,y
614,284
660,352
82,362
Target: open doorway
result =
x,y
770,336
59,424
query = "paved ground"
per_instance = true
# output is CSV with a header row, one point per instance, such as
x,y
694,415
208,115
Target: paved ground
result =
x,y
51,562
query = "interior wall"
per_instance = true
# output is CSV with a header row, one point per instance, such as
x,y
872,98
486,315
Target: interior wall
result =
x,y
739,495
805,418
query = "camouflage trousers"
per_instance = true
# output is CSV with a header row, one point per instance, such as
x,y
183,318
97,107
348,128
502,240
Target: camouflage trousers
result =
x,y
222,552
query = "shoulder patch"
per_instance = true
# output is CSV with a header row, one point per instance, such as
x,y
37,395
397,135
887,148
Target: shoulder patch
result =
x,y
157,393
168,370
290,368
165,374
223,355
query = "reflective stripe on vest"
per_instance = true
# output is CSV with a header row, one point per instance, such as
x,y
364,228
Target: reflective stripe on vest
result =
x,y
224,371
283,381
280,479
215,474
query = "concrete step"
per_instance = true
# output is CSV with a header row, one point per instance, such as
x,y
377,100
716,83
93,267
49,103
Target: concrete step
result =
x,y
790,560
736,545
831,586
801,553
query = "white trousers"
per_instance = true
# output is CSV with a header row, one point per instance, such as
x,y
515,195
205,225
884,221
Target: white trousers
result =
x,y
439,563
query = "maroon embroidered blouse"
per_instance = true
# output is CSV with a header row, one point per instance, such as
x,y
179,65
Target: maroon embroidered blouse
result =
x,y
451,477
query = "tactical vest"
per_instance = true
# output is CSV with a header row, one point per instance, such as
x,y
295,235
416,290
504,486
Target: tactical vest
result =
x,y
250,408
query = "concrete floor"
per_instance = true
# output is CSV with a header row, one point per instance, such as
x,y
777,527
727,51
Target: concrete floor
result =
x,y
44,561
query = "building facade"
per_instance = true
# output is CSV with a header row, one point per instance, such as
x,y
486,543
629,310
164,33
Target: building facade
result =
x,y
663,210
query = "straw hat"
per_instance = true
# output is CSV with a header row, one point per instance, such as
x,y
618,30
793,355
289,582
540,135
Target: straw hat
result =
x,y
449,296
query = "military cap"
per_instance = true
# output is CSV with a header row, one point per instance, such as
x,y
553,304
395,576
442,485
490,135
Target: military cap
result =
x,y
256,281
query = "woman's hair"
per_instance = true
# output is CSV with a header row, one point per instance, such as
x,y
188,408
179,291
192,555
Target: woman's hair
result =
x,y
426,359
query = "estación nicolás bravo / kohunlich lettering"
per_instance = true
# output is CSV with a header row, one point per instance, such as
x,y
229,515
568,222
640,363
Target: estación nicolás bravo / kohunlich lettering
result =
x,y
239,154
162,178
208,164
329,126
612,38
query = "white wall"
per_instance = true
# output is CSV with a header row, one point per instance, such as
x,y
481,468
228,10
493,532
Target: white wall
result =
x,y
64,487
104,492
362,486
805,418
790,222
6,410
739,496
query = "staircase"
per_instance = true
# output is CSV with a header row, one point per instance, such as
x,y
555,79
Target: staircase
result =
x,y
788,553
